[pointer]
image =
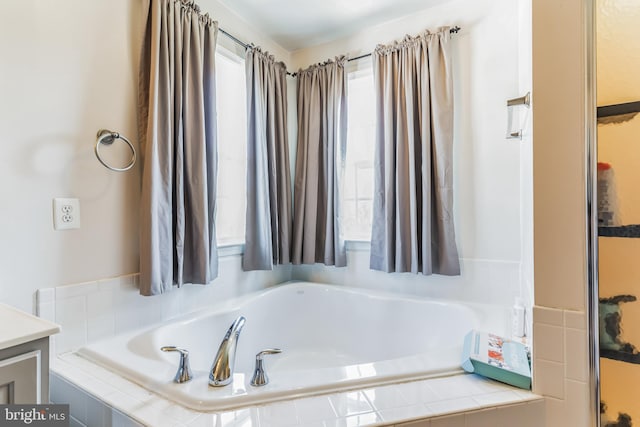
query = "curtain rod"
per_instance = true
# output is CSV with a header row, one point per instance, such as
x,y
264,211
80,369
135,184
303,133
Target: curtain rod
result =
x,y
243,44
453,30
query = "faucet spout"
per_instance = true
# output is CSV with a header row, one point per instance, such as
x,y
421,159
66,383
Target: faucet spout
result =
x,y
222,369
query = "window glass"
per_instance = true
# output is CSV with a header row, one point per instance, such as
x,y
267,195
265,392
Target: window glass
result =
x,y
357,203
232,148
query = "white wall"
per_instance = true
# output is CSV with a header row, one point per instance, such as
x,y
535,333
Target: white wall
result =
x,y
69,68
492,175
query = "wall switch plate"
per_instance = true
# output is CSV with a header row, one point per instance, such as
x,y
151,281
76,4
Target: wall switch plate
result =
x,y
66,213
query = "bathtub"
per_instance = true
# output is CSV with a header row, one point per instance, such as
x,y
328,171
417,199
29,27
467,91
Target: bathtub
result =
x,y
333,338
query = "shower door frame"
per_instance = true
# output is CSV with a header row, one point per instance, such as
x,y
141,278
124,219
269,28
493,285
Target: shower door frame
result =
x,y
591,159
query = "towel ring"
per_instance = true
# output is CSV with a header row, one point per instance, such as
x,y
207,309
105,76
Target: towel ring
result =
x,y
107,137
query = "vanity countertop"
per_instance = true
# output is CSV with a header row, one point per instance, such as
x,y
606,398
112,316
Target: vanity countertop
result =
x,y
18,327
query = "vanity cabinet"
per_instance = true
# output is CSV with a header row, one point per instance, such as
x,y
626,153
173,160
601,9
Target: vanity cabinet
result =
x,y
24,373
24,357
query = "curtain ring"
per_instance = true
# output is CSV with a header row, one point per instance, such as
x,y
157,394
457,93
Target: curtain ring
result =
x,y
107,137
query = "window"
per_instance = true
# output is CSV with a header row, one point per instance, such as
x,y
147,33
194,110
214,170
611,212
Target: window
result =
x,y
232,148
357,203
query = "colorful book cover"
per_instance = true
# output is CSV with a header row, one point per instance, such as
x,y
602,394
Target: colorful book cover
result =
x,y
498,358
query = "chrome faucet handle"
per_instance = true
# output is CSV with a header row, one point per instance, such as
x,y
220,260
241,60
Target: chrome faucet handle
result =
x,y
259,374
184,373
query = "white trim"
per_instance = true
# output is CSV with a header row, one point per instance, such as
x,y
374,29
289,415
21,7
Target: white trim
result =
x,y
358,245
230,249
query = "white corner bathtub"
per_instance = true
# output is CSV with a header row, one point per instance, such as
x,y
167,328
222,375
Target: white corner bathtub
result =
x,y
333,338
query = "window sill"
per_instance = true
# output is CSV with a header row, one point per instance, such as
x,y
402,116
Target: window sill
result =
x,y
358,245
230,249
237,248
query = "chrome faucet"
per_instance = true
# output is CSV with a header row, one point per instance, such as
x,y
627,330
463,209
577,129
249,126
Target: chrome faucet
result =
x,y
222,369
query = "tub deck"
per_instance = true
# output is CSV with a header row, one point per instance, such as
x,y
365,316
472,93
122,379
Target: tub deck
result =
x,y
456,401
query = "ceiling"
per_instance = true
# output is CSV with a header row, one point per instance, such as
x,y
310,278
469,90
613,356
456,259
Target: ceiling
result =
x,y
296,24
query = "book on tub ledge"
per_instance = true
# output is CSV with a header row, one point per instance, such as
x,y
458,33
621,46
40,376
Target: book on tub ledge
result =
x,y
498,358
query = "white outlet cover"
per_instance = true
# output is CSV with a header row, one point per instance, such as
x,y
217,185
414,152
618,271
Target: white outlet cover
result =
x,y
66,213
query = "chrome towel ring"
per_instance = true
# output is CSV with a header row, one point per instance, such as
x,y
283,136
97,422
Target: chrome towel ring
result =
x,y
107,137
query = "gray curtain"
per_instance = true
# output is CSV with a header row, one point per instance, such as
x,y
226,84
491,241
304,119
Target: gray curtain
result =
x,y
413,199
268,229
177,118
322,133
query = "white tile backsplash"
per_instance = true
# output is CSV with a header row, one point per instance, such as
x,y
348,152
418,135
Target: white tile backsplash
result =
x,y
100,327
483,281
577,403
133,310
551,380
577,368
71,315
99,309
100,314
560,365
548,316
78,289
549,342
575,320
47,310
94,310
100,303
172,304
46,295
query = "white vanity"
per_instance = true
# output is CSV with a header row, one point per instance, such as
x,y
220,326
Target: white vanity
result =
x,y
24,356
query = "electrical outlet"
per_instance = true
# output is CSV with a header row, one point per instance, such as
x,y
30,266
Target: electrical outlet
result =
x,y
66,214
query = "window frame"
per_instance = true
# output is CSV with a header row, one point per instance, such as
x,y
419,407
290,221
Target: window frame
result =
x,y
230,247
357,69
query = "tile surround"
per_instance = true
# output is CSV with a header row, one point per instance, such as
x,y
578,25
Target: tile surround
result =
x,y
99,309
561,365
482,281
95,393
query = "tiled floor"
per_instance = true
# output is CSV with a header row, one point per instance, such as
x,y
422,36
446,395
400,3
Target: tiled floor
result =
x,y
422,403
